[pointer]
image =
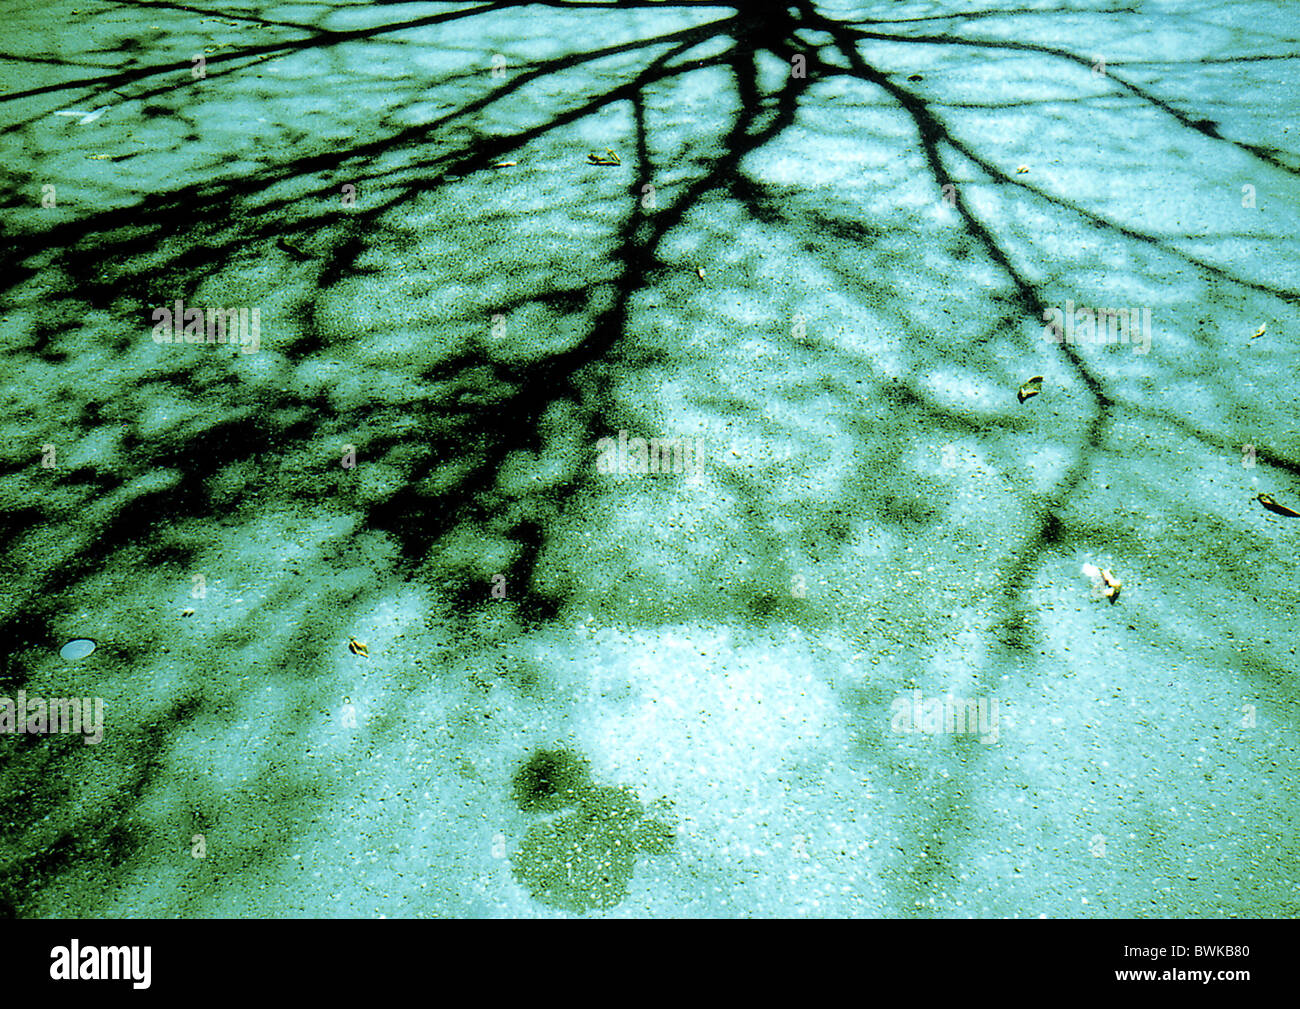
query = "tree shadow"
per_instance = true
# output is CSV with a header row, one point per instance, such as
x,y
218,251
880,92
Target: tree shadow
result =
x,y
480,403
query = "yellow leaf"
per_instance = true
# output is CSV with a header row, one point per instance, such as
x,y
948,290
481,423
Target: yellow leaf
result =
x,y
1278,509
1031,388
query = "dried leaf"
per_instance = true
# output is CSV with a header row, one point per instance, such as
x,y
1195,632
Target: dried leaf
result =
x,y
1268,502
1105,584
293,250
357,648
1112,585
1031,388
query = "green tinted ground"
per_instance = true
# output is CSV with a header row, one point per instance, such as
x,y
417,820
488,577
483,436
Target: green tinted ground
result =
x,y
409,459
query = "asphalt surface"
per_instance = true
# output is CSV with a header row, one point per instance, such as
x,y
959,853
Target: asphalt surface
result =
x,y
390,616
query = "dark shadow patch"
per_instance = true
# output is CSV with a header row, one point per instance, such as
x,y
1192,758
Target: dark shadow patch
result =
x,y
550,780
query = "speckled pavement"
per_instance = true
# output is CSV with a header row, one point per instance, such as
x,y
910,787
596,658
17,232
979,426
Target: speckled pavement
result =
x,y
810,291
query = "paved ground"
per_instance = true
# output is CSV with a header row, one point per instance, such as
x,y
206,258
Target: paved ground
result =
x,y
820,270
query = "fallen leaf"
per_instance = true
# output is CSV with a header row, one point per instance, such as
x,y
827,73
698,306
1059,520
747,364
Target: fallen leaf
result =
x,y
1112,585
357,648
293,251
86,117
1105,584
1031,388
1268,502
